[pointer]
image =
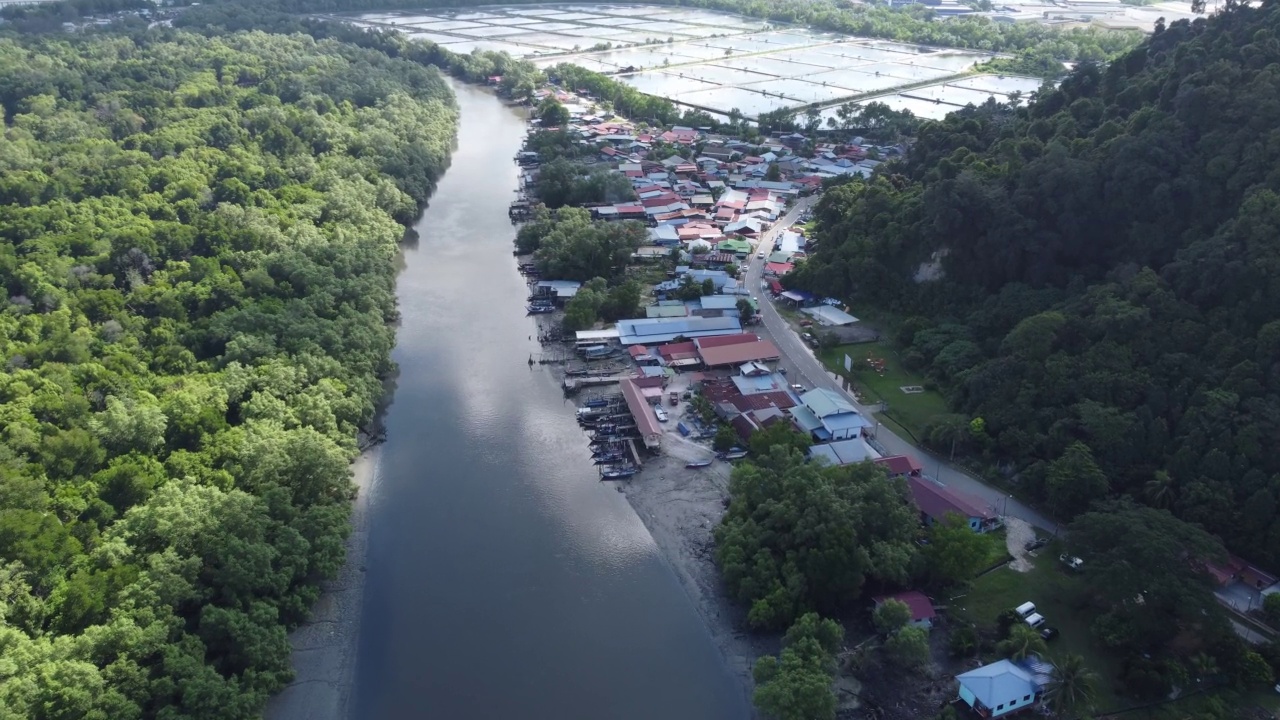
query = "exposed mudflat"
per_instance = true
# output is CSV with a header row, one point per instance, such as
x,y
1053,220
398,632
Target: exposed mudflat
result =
x,y
324,649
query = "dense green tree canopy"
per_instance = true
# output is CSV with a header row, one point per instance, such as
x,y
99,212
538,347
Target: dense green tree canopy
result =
x,y
1097,272
1147,571
797,684
197,244
800,537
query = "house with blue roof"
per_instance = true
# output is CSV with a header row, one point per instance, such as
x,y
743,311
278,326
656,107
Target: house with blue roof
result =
x,y
1005,687
828,415
651,331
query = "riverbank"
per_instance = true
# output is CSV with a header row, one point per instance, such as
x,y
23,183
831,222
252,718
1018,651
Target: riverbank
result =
x,y
324,648
681,508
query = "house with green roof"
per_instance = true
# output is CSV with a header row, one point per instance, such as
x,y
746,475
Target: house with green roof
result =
x,y
737,247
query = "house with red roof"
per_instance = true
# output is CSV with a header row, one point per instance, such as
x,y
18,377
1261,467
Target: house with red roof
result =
x,y
922,612
936,502
900,465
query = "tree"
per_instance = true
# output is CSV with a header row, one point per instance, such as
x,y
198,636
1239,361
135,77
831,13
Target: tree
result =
x,y
798,537
552,114
621,302
1074,480
955,553
1271,608
1072,686
1135,552
746,310
908,647
725,439
797,685
779,434
890,616
774,173
1022,642
201,294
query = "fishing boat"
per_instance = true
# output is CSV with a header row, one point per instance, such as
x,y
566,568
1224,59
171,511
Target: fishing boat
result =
x,y
596,402
618,473
609,459
698,464
735,455
540,309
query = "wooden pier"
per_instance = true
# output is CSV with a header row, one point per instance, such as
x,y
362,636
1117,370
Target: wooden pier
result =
x,y
573,384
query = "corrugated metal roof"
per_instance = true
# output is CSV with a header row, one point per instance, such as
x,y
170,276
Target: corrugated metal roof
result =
x,y
998,683
845,452
823,403
828,315
641,411
739,353
719,302
805,418
665,311
655,330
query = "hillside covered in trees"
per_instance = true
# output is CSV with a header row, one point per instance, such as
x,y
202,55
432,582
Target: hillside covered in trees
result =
x,y
1109,282
197,245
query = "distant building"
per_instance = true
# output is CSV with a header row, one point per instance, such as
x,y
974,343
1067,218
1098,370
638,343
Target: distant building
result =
x,y
652,331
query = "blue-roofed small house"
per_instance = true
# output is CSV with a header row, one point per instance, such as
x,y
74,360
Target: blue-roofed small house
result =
x,y
1004,687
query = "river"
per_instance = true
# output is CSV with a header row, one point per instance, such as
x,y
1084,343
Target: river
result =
x,y
503,580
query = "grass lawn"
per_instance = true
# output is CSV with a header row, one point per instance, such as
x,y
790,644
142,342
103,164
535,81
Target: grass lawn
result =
x,y
997,549
1054,591
913,411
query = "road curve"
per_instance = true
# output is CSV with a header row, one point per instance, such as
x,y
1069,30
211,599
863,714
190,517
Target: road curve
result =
x,y
802,366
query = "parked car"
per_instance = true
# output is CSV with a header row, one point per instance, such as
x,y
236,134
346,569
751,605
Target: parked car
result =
x,y
662,414
1072,562
1037,543
798,387
806,323
1048,633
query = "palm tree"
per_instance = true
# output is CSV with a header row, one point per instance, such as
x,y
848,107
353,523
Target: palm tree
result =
x,y
1159,489
1022,642
1072,685
1203,666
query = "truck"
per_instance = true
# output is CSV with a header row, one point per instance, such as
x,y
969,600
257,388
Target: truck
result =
x,y
674,397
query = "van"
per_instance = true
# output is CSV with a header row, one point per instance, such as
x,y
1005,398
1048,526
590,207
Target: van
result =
x,y
1025,609
1035,620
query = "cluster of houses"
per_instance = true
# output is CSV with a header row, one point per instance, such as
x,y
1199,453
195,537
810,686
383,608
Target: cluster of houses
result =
x,y
711,195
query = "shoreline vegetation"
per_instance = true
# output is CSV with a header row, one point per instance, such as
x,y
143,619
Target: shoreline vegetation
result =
x,y
200,235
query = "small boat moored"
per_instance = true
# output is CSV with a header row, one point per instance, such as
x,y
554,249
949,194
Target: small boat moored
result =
x,y
698,464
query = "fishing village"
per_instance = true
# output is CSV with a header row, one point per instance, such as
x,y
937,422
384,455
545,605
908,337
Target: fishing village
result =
x,y
694,368
669,395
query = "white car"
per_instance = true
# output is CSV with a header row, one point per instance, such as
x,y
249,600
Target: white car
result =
x,y
662,414
759,256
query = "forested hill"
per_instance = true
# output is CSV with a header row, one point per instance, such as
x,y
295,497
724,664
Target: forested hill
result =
x,y
197,244
1112,277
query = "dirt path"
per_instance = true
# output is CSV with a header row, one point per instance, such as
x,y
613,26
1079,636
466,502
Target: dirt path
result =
x,y
1018,533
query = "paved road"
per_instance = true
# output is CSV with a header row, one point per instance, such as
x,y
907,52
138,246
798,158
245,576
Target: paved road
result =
x,y
803,367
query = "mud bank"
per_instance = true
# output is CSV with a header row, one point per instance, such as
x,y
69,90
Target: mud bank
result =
x,y
324,649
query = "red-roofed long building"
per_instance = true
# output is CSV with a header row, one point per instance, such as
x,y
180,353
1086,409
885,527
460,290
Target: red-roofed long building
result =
x,y
937,501
642,412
